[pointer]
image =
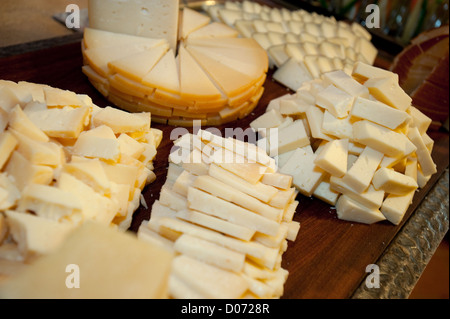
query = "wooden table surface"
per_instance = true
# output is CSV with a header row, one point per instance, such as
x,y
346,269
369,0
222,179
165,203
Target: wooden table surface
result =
x,y
329,258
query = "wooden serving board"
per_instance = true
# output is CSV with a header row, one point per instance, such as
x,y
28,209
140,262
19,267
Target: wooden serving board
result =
x,y
329,258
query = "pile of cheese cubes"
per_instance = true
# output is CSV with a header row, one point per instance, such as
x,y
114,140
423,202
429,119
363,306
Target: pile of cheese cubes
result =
x,y
355,142
64,161
300,44
211,75
227,214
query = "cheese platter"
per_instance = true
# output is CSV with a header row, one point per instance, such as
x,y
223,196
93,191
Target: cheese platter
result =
x,y
329,257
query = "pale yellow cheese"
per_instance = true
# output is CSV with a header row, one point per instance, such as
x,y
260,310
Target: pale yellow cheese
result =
x,y
192,21
336,101
36,235
60,123
90,172
350,210
378,113
120,121
24,172
388,91
8,100
137,66
89,248
395,207
346,83
209,281
214,30
20,122
325,193
393,182
380,138
360,175
10,194
423,155
333,158
8,143
208,204
210,253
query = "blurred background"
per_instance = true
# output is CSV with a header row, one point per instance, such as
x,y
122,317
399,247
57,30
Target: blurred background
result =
x,y
24,21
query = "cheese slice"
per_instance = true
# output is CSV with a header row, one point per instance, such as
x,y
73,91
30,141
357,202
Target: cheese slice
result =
x,y
20,122
122,122
214,30
210,253
333,157
360,175
192,21
99,58
393,182
7,145
209,281
155,19
388,91
350,210
164,75
89,248
60,123
230,80
378,113
137,66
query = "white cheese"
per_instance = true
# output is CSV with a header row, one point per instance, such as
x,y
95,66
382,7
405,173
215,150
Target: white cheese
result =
x,y
146,18
378,113
388,91
8,143
395,207
332,158
360,175
350,210
336,101
393,182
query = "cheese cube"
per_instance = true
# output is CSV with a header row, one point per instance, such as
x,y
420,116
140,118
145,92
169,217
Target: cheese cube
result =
x,y
90,172
378,113
292,74
325,193
360,175
363,72
291,137
277,180
60,123
379,138
346,83
352,211
36,235
270,119
89,247
393,182
315,118
20,122
24,172
332,158
122,122
340,128
91,145
51,203
306,174
366,49
7,145
336,101
388,91
371,198
10,194
396,206
8,100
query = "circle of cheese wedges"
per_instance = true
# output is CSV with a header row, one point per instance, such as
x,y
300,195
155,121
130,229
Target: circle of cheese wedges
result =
x,y
212,76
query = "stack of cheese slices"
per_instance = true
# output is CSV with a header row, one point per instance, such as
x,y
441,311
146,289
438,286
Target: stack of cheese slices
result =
x,y
65,161
301,45
355,142
227,215
211,75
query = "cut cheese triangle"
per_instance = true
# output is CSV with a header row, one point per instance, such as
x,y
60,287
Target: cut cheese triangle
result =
x,y
138,65
231,81
194,83
250,62
164,75
94,38
192,21
214,30
99,58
